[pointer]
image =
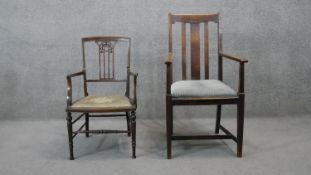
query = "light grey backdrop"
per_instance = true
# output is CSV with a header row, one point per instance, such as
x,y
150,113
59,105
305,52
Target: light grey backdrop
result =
x,y
40,44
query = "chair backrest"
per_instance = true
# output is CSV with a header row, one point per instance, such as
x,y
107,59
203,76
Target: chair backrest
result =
x,y
194,20
105,48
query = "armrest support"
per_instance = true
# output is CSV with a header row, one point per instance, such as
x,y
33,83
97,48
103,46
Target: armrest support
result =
x,y
169,70
69,85
241,78
135,75
169,58
234,58
241,68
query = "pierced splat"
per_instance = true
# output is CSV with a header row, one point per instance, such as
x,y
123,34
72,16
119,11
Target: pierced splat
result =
x,y
106,59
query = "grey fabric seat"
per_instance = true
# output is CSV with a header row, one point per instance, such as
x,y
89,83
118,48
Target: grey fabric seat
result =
x,y
202,89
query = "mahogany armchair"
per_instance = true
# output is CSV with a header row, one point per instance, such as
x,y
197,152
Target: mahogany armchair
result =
x,y
103,105
201,90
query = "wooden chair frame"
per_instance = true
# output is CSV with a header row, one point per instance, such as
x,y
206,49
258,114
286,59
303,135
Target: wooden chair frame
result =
x,y
102,41
195,20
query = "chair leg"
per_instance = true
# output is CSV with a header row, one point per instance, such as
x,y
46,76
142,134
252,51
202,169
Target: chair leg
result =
x,y
240,126
133,132
128,124
169,127
87,124
218,118
70,138
172,123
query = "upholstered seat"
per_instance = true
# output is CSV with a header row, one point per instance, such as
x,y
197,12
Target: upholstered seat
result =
x,y
102,103
202,88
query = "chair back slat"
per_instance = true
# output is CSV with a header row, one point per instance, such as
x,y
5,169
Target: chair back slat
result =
x,y
106,56
206,50
106,59
184,50
195,51
195,46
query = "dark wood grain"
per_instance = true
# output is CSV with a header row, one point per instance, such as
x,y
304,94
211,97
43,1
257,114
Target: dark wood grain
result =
x,y
195,51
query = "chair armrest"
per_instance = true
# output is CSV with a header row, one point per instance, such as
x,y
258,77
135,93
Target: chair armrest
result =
x,y
169,58
135,75
69,85
234,58
75,74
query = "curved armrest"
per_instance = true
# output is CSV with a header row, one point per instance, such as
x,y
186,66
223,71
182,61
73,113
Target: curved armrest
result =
x,y
169,58
234,58
69,85
135,75
75,74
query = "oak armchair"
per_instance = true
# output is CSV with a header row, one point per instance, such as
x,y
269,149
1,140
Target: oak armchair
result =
x,y
201,90
103,105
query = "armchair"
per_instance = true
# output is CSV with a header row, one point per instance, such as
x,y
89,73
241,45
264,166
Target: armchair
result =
x,y
102,105
201,90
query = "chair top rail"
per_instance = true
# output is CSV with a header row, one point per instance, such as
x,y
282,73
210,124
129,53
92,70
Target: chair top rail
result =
x,y
105,38
194,18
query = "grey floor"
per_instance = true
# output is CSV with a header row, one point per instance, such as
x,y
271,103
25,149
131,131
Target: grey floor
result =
x,y
272,146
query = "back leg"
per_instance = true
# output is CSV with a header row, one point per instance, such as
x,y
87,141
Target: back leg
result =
x,y
87,124
218,118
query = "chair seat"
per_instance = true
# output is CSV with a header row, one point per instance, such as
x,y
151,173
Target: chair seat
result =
x,y
102,104
202,89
